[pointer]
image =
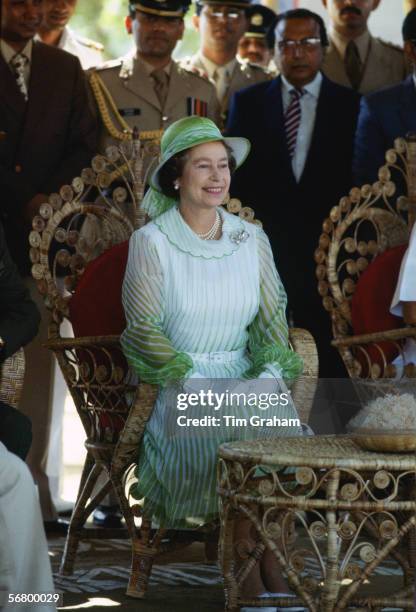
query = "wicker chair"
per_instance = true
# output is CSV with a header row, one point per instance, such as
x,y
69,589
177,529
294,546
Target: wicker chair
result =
x,y
112,406
68,233
367,223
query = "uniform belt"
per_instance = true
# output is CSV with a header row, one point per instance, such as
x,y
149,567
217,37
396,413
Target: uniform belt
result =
x,y
218,356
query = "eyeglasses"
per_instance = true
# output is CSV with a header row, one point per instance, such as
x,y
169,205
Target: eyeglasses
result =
x,y
231,14
306,44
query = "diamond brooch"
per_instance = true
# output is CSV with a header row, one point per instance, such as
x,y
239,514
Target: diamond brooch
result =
x,y
239,236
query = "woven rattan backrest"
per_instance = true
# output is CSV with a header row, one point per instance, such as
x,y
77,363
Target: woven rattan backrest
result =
x,y
100,209
364,224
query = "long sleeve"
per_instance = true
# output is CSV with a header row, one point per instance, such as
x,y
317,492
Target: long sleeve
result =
x,y
148,350
268,334
19,317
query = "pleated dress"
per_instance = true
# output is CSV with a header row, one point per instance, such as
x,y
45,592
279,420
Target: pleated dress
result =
x,y
200,310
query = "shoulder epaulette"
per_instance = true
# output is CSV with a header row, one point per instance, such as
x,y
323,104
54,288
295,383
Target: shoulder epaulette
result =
x,y
190,69
91,44
387,43
248,67
114,63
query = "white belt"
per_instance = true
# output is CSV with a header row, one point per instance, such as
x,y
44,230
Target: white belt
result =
x,y
218,356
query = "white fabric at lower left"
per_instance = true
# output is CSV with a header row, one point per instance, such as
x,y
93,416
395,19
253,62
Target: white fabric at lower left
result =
x,y
24,561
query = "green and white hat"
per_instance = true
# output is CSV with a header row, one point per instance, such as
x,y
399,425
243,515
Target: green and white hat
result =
x,y
182,135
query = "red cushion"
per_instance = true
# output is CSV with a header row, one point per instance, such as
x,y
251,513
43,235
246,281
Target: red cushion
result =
x,y
96,310
371,303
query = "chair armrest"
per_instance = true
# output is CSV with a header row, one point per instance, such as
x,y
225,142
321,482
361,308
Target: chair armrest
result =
x,y
303,389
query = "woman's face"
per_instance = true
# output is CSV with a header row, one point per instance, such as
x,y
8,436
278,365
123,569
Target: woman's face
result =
x,y
205,177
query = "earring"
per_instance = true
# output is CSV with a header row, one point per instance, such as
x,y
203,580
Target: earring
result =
x,y
176,185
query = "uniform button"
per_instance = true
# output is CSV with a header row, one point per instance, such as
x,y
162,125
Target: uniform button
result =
x,y
3,135
164,118
18,168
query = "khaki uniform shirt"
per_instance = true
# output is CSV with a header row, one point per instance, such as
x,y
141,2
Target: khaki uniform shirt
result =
x,y
383,65
132,90
243,75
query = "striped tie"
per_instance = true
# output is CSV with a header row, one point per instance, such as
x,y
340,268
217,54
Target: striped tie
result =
x,y
292,119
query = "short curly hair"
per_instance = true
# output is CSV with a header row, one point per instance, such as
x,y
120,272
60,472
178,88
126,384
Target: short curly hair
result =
x,y
173,169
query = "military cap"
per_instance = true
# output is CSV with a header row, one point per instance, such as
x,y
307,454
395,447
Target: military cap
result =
x,y
164,8
262,21
235,3
409,26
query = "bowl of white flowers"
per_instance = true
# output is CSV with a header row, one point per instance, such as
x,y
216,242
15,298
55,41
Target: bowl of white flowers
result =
x,y
386,424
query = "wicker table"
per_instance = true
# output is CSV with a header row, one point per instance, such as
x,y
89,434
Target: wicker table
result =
x,y
360,510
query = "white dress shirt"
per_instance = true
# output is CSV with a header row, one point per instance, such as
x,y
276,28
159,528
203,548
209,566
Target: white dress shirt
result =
x,y
308,104
8,54
89,54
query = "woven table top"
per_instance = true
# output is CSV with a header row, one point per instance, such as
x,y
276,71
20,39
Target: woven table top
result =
x,y
315,451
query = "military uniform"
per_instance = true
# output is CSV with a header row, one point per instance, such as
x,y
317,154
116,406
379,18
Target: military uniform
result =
x,y
243,75
262,21
384,65
89,52
136,104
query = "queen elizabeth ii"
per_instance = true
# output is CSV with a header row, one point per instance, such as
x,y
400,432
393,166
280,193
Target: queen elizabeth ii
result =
x,y
203,301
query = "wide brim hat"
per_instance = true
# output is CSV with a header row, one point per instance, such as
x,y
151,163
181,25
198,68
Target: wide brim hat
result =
x,y
163,8
190,132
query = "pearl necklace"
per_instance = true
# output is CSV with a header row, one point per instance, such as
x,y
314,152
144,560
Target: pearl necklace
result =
x,y
211,233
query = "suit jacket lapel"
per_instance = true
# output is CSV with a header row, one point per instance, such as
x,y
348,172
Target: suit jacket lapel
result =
x,y
323,111
9,91
141,84
275,127
179,88
407,104
40,94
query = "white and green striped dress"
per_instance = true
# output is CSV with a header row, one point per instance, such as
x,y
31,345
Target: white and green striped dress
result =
x,y
185,296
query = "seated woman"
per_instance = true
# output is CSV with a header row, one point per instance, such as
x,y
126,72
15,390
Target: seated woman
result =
x,y
203,302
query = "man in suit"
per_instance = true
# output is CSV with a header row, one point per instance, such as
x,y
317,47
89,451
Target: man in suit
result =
x,y
299,165
55,31
47,135
148,88
354,57
221,24
386,115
